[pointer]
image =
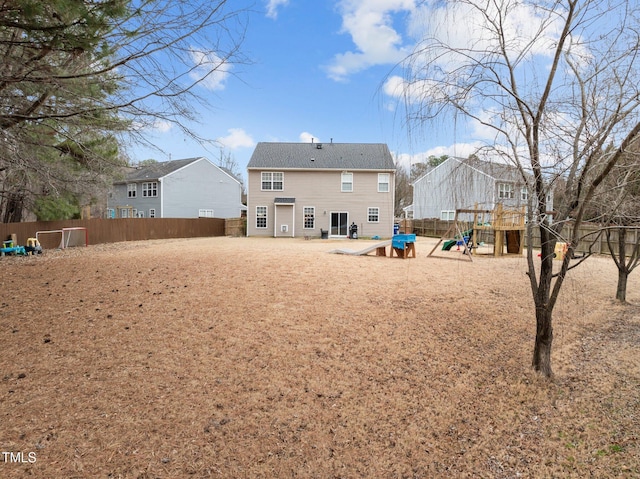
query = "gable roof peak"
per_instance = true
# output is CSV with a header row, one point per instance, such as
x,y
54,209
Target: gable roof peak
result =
x,y
160,169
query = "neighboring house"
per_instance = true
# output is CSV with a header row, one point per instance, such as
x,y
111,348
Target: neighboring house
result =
x,y
189,188
303,189
464,183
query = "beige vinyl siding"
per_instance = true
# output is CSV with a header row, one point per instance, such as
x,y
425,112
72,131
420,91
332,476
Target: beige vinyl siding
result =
x,y
322,190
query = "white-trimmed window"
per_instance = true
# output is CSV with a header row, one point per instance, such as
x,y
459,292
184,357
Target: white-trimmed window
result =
x,y
373,214
124,212
309,214
139,214
150,189
383,182
505,191
346,182
152,212
447,215
272,181
132,189
261,216
205,213
524,194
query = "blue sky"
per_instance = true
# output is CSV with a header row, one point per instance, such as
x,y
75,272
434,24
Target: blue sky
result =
x,y
319,69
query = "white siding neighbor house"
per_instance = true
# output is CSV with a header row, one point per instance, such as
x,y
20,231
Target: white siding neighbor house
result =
x,y
464,183
320,189
188,188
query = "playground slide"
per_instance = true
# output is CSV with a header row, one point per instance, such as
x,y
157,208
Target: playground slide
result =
x,y
367,250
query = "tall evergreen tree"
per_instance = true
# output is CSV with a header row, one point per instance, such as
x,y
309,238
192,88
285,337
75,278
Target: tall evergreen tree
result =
x,y
77,75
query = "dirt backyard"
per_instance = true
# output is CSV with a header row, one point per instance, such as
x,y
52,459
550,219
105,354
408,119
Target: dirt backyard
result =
x,y
272,358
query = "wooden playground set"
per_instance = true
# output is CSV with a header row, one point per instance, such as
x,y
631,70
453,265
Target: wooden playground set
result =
x,y
506,226
500,227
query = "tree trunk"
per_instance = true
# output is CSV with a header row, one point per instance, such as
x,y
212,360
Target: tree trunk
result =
x,y
544,337
13,206
623,272
544,306
621,292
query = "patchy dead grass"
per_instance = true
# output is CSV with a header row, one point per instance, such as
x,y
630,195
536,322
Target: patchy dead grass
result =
x,y
243,357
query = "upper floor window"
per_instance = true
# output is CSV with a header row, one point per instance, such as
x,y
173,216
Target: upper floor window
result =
x,y
505,191
150,189
272,180
383,182
524,194
346,182
131,190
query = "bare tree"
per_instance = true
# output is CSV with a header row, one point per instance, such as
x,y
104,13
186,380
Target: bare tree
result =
x,y
625,254
618,209
556,82
227,161
403,189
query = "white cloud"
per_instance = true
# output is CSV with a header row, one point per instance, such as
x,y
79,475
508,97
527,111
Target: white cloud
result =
x,y
459,150
162,126
155,126
237,138
210,70
453,36
464,28
370,24
306,137
414,91
456,35
273,5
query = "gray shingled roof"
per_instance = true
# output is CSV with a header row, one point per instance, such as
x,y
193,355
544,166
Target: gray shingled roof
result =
x,y
352,156
499,171
157,170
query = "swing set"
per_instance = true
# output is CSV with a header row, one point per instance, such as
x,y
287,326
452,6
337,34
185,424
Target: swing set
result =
x,y
507,226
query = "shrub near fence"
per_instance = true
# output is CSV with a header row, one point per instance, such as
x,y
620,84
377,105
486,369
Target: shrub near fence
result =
x,y
122,229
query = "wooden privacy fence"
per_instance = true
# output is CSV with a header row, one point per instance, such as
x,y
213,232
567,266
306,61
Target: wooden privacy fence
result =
x,y
425,227
122,229
235,227
598,243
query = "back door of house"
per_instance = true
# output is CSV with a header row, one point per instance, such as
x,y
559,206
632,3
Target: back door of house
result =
x,y
339,223
283,219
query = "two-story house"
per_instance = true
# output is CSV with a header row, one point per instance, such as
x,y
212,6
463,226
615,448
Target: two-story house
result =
x,y
463,183
311,189
188,188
